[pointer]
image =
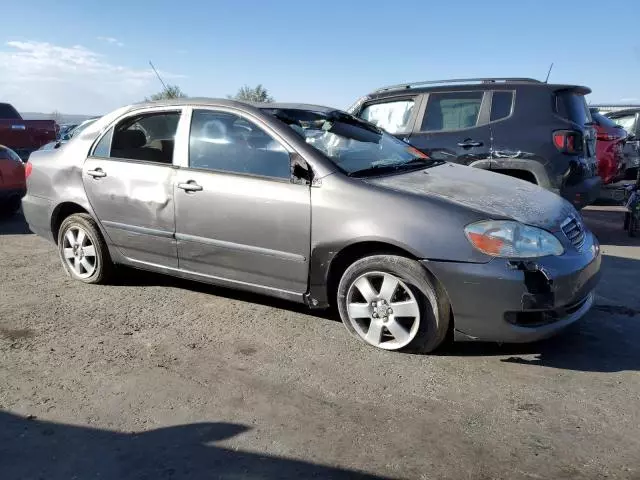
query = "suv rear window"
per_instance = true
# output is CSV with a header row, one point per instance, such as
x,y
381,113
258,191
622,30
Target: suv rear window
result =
x,y
572,106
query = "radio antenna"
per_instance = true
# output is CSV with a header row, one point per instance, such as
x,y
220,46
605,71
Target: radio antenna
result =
x,y
546,80
159,77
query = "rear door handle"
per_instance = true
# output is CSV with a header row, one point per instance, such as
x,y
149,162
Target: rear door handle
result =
x,y
97,173
469,144
190,186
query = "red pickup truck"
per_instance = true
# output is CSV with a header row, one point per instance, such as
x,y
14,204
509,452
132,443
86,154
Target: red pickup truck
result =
x,y
24,136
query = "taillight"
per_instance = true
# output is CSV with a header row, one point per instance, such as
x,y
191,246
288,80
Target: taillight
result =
x,y
568,141
607,137
28,168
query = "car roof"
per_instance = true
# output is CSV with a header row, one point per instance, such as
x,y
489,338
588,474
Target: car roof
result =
x,y
225,102
471,84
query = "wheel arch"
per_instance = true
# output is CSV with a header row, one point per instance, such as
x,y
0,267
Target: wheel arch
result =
x,y
62,211
328,265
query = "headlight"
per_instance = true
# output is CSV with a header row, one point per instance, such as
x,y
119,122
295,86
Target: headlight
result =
x,y
512,239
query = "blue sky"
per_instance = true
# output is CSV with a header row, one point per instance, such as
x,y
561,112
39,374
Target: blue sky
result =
x,y
91,57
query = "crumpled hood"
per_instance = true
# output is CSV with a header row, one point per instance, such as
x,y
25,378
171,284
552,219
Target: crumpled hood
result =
x,y
496,195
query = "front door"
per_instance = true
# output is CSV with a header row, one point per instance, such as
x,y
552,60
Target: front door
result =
x,y
239,215
129,182
454,126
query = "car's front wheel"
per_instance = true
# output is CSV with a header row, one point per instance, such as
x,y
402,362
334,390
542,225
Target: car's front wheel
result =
x,y
82,249
390,302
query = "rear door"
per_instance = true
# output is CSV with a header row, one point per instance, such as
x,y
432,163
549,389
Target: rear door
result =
x,y
240,216
129,182
454,126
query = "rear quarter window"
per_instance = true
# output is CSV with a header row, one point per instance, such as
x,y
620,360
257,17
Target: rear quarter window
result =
x,y
501,105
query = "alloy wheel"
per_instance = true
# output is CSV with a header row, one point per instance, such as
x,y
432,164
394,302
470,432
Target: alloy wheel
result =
x,y
79,252
383,310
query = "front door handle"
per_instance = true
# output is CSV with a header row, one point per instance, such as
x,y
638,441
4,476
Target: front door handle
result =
x,y
190,186
97,173
470,144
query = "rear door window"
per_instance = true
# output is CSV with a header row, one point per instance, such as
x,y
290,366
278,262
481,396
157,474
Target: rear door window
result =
x,y
451,111
394,117
501,105
573,106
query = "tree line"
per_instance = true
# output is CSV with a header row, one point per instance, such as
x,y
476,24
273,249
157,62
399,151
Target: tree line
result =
x,y
257,94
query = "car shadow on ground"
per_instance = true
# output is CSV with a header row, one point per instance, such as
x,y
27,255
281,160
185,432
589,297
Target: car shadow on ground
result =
x,y
13,224
32,448
132,277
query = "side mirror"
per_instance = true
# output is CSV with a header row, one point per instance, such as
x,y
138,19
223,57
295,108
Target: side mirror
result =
x,y
300,171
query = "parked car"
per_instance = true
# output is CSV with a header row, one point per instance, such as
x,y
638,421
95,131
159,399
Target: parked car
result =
x,y
69,133
628,119
12,181
611,138
538,132
313,205
24,136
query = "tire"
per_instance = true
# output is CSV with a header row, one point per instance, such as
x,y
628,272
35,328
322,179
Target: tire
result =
x,y
97,267
10,207
416,294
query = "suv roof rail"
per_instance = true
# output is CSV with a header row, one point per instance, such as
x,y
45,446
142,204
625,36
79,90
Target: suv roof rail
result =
x,y
457,80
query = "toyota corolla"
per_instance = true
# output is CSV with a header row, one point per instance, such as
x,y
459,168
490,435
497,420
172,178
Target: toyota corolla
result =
x,y
313,205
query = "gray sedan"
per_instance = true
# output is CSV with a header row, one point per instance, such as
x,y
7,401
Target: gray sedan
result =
x,y
313,205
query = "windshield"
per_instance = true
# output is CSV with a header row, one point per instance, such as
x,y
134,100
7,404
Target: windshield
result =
x,y
357,147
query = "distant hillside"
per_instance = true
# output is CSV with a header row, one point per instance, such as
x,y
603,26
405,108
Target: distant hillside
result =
x,y
64,118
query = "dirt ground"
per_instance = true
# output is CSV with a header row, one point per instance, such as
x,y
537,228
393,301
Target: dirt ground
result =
x,y
161,378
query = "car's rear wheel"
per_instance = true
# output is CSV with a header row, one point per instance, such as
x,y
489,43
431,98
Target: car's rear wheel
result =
x,y
82,249
390,302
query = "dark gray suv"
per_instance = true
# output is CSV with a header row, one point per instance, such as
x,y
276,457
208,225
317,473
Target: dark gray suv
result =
x,y
520,127
313,205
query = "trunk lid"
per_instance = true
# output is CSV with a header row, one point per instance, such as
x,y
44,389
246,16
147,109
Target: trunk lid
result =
x,y
498,196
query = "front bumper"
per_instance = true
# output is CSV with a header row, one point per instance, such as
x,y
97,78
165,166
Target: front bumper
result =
x,y
515,302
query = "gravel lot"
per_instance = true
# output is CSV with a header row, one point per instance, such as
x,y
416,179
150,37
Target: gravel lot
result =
x,y
163,378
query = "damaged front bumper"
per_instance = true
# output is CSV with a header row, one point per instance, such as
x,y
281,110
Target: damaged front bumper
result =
x,y
520,301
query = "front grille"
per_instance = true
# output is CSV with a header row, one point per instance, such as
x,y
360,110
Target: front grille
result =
x,y
574,231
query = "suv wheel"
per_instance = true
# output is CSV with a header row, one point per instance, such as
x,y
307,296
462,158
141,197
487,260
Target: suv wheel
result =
x,y
391,303
83,252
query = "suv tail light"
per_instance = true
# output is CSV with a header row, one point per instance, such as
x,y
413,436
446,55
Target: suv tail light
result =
x,y
608,137
568,141
28,168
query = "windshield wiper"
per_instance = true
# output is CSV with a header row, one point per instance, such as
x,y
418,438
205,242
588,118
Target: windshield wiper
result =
x,y
416,163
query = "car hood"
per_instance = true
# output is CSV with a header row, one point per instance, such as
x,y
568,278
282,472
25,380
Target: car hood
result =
x,y
496,195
